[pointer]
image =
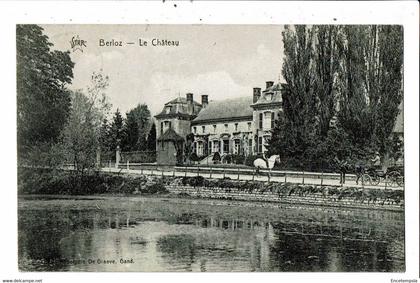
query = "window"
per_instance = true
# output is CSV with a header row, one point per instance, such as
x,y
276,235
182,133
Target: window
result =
x,y
225,146
200,148
249,126
260,144
237,147
261,121
272,120
203,128
168,109
226,127
168,125
195,130
249,146
161,128
236,127
216,146
214,128
267,120
210,147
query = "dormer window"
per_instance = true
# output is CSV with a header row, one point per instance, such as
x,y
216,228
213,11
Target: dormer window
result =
x,y
168,109
168,125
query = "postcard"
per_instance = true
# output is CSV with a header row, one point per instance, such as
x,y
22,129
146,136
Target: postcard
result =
x,y
215,145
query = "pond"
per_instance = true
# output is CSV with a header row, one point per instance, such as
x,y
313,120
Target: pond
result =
x,y
169,234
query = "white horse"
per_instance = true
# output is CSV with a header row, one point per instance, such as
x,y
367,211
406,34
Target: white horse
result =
x,y
261,163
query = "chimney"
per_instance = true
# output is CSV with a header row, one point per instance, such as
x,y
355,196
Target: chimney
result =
x,y
190,98
204,100
256,95
269,84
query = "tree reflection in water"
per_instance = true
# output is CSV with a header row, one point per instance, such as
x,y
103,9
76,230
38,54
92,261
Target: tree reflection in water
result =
x,y
178,248
203,237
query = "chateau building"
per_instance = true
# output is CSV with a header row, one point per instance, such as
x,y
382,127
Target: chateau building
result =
x,y
232,126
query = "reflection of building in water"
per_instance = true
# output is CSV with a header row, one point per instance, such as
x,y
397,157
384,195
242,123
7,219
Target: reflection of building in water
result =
x,y
298,241
248,244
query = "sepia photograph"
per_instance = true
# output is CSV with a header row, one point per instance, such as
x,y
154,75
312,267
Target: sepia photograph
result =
x,y
210,148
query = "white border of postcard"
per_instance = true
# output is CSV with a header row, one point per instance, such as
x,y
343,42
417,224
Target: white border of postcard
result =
x,y
206,12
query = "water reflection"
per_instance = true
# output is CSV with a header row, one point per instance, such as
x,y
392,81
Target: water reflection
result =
x,y
165,236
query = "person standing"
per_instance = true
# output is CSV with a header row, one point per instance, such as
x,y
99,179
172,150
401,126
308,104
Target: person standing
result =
x,y
342,167
359,169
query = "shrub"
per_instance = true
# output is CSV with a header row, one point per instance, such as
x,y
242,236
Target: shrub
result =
x,y
197,181
238,159
227,159
156,188
216,158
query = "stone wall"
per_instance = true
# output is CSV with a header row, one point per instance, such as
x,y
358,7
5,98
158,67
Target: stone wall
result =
x,y
138,156
312,199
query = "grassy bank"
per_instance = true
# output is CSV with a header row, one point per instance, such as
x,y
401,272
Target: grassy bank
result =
x,y
46,181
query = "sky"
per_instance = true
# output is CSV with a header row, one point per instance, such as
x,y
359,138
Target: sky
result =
x,y
222,61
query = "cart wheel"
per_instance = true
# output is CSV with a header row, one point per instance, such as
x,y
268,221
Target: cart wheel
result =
x,y
374,180
393,178
366,180
400,181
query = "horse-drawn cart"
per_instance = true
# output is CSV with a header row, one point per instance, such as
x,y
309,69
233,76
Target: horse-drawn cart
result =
x,y
392,176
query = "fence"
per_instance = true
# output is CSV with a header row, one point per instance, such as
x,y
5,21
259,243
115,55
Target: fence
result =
x,y
247,174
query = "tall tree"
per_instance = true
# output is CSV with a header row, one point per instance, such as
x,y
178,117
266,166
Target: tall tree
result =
x,y
79,137
131,132
357,75
116,132
326,65
140,114
354,115
390,85
96,92
43,101
86,130
370,83
151,138
104,141
299,101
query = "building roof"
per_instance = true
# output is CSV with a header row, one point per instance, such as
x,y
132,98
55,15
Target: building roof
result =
x,y
228,109
179,107
181,100
269,95
170,135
